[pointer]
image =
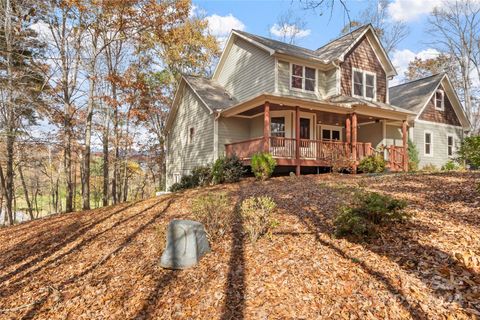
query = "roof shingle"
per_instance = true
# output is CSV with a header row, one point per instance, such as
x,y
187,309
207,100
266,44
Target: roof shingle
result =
x,y
414,95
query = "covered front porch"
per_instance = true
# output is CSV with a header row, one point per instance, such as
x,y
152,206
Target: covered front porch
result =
x,y
321,135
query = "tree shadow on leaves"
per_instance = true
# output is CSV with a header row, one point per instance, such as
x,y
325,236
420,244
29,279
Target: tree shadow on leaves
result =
x,y
234,306
58,287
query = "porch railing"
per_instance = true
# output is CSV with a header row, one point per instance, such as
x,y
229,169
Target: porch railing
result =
x,y
395,158
285,148
245,149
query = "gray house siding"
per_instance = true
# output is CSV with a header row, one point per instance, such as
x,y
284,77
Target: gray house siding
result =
x,y
232,130
439,142
372,132
247,71
182,154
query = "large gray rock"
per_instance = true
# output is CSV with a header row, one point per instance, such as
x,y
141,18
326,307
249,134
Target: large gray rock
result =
x,y
186,243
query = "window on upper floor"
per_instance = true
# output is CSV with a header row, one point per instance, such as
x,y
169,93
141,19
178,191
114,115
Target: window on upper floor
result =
x,y
303,78
364,84
439,100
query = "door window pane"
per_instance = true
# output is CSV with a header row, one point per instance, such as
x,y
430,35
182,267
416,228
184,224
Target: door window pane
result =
x,y
304,128
277,126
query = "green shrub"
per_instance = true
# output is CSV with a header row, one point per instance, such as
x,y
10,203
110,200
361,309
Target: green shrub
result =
x,y
430,168
175,187
450,166
214,212
186,182
258,216
202,175
469,151
263,165
368,210
227,170
413,158
372,164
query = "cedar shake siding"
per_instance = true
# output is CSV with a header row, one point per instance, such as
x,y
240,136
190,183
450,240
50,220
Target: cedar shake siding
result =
x,y
446,116
362,56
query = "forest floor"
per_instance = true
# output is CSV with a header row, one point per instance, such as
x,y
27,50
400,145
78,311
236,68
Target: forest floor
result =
x,y
104,263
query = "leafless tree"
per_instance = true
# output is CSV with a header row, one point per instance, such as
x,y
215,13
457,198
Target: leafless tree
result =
x,y
455,30
288,27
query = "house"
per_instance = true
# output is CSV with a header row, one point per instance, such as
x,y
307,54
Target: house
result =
x,y
310,108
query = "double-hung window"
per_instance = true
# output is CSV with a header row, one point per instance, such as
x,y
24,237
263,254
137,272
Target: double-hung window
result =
x,y
450,145
428,144
277,129
439,100
303,78
364,84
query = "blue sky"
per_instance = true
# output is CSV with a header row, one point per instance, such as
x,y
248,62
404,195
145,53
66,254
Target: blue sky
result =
x,y
259,16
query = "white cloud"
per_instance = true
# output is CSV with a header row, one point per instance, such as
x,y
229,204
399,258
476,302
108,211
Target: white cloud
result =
x,y
220,26
289,30
409,10
401,59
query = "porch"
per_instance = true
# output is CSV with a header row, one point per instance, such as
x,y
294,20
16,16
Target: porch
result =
x,y
314,137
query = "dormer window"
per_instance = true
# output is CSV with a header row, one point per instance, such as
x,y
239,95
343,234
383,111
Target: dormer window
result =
x,y
303,78
439,100
364,84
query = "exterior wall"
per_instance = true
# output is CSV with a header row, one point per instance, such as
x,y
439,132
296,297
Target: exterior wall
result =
x,y
256,127
232,130
363,57
372,132
439,142
393,136
183,156
446,116
247,71
327,83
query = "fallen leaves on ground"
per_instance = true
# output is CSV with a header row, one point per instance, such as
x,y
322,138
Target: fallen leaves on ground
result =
x,y
104,263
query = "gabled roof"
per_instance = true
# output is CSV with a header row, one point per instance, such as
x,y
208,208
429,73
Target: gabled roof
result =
x,y
280,47
330,53
415,94
336,48
213,95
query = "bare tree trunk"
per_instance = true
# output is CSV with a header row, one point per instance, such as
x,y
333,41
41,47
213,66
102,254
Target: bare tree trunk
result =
x,y
68,164
25,191
8,215
88,138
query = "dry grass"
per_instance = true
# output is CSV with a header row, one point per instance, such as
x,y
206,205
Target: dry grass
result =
x,y
104,264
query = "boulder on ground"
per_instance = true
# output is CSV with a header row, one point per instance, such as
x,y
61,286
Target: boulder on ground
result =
x,y
186,243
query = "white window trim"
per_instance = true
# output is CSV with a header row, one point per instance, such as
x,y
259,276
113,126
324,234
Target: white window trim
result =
x,y
453,145
425,143
315,91
176,177
364,86
442,107
331,128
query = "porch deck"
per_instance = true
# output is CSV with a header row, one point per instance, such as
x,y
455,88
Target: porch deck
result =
x,y
315,153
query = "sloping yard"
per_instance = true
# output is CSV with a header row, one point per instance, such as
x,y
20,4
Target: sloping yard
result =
x,y
104,264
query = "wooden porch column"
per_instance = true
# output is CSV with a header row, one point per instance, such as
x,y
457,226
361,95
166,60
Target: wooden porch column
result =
x,y
348,135
405,145
266,126
297,139
354,142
